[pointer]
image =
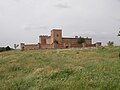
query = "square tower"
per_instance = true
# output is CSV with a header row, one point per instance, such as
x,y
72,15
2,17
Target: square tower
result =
x,y
56,36
42,39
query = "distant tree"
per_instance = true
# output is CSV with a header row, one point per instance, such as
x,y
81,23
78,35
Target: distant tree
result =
x,y
119,33
119,52
16,45
81,40
2,49
110,43
8,48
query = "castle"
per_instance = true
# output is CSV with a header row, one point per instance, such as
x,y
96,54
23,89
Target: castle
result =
x,y
56,41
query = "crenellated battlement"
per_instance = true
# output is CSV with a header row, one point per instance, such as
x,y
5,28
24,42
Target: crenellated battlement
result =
x,y
43,36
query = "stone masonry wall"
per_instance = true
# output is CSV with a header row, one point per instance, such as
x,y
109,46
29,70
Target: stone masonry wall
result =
x,y
31,47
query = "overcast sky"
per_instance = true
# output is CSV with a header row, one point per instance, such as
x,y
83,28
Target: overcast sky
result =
x,y
25,20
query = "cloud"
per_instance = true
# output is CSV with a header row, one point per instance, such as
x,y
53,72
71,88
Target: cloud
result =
x,y
1,16
30,27
17,0
60,5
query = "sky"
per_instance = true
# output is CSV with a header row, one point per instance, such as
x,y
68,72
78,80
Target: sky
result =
x,y
22,21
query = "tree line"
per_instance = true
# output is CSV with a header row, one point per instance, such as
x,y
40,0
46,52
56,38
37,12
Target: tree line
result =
x,y
2,49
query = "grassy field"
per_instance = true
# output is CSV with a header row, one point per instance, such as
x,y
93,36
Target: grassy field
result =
x,y
64,69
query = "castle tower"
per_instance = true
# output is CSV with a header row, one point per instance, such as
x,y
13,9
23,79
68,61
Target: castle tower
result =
x,y
56,36
42,39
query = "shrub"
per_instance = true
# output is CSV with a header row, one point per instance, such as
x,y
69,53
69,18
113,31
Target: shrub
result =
x,y
110,43
2,49
81,40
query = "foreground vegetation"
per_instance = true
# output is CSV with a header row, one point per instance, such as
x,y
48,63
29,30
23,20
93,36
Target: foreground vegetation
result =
x,y
65,69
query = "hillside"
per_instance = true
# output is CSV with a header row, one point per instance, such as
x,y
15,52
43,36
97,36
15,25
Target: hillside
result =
x,y
62,69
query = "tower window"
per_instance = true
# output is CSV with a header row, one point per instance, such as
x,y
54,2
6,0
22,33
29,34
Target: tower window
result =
x,y
57,35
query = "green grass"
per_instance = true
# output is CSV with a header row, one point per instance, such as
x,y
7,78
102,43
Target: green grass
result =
x,y
62,69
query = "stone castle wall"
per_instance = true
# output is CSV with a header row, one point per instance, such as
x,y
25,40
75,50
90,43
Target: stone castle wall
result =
x,y
30,46
57,41
69,40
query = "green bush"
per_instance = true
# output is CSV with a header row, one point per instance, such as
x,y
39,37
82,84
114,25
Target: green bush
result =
x,y
81,40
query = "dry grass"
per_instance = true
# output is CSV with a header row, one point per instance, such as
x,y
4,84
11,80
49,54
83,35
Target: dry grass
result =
x,y
62,69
